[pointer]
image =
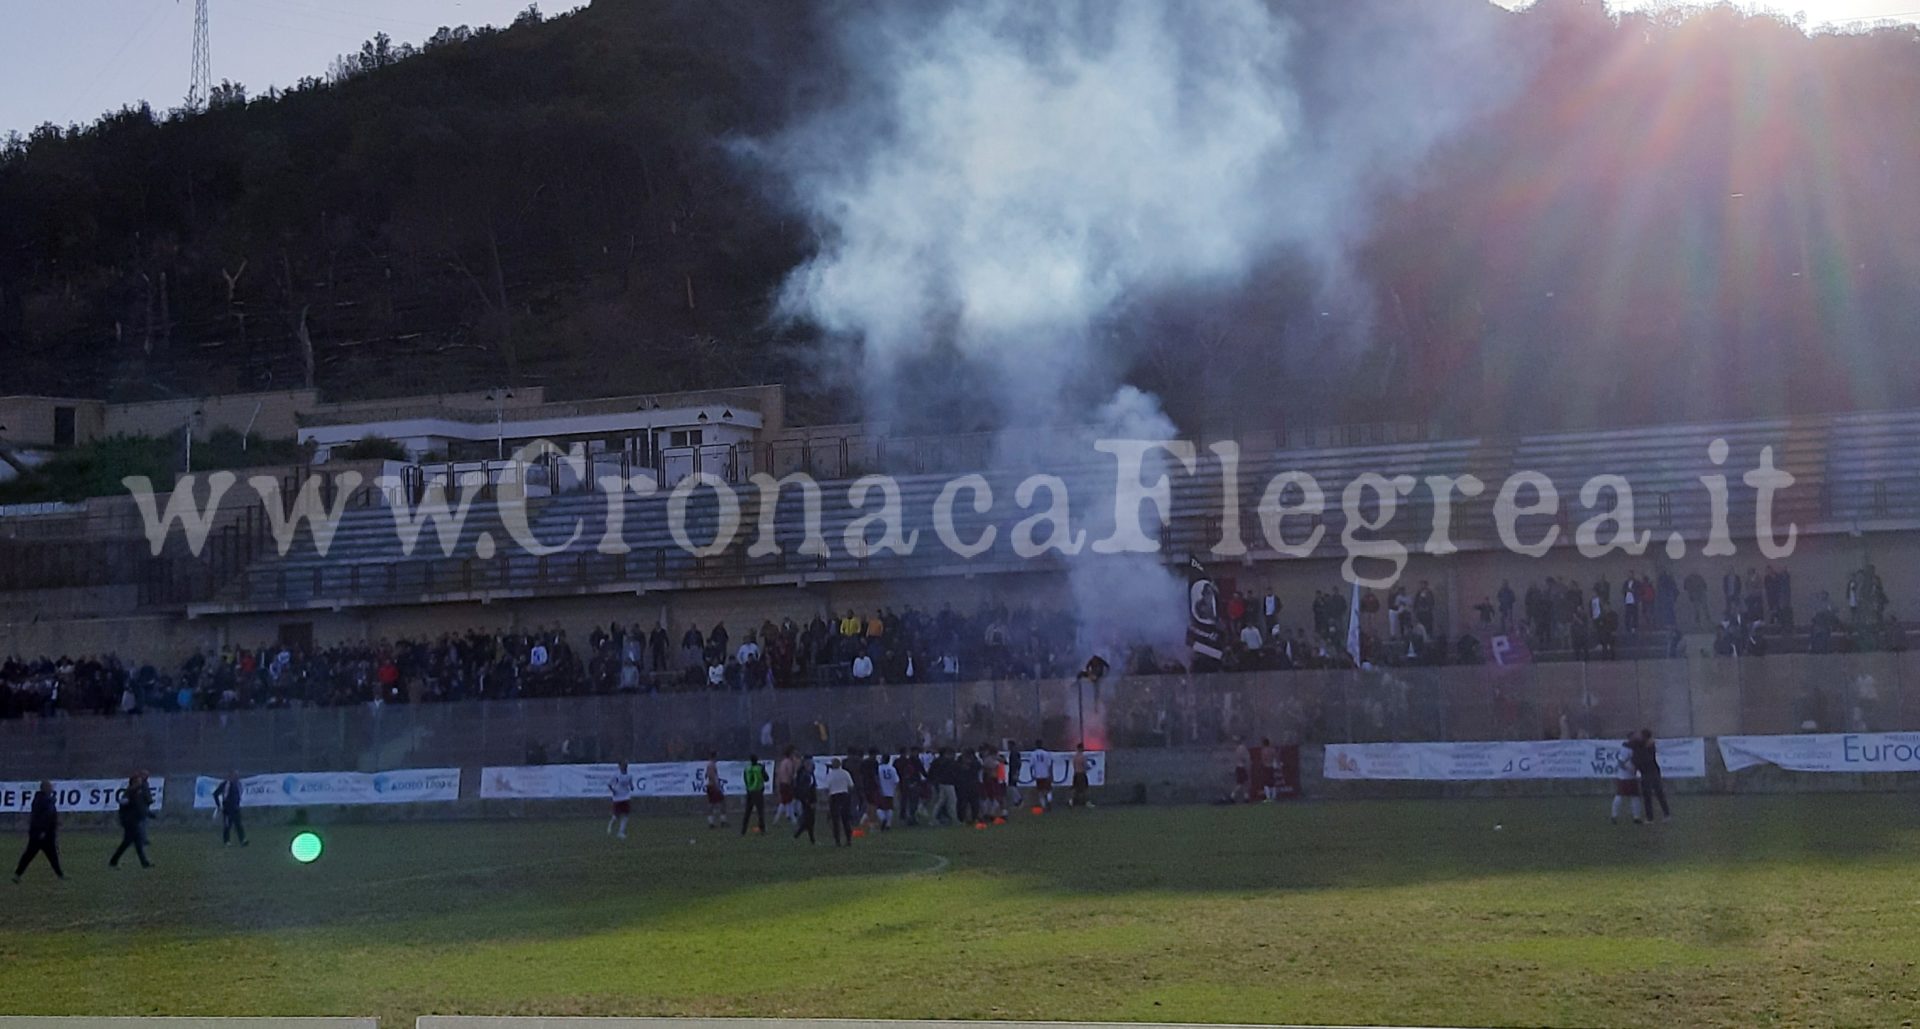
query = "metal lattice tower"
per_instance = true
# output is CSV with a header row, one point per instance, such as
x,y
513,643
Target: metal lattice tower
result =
x,y
201,88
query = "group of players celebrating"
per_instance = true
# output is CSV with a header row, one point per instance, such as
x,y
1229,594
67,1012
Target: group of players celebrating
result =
x,y
871,790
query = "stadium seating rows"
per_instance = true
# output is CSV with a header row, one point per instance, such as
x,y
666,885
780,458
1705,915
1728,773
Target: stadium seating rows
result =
x,y
1849,470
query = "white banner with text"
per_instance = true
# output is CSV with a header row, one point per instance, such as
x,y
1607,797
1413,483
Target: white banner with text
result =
x,y
1825,752
689,778
16,798
1684,758
294,789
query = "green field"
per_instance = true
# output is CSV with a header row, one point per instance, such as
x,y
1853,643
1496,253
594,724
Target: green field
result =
x,y
1784,910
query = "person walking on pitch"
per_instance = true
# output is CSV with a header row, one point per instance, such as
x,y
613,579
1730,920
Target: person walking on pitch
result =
x,y
755,780
716,793
134,810
227,796
1012,748
620,788
43,831
806,793
1042,763
783,788
1080,781
840,803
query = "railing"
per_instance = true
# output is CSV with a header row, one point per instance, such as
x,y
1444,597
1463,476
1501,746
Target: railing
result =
x,y
484,413
105,544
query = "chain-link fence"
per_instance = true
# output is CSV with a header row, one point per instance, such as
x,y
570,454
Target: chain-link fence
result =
x,y
1682,697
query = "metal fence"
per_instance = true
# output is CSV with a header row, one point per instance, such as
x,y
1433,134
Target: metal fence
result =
x,y
1782,694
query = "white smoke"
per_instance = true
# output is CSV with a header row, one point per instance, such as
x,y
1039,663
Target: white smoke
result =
x,y
1007,178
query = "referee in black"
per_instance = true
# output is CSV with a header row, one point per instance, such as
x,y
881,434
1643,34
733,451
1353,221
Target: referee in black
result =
x,y
227,795
43,831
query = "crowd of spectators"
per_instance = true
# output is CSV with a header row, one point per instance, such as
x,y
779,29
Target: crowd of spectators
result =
x,y
1755,613
884,647
1558,619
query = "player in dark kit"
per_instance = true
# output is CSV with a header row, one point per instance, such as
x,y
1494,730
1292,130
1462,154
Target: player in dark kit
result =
x,y
43,831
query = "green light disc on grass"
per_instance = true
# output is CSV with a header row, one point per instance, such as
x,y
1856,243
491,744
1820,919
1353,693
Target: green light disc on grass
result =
x,y
306,848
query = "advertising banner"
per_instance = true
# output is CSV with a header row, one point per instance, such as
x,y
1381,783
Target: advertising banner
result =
x,y
689,778
1684,758
16,798
1825,752
296,789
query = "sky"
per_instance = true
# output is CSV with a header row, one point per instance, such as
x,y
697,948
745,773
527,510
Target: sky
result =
x,y
67,61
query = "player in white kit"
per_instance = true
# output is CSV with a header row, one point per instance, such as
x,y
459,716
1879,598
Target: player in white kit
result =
x,y
888,778
1626,786
620,785
1040,760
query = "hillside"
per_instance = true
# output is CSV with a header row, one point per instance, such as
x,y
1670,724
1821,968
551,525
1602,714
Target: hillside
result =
x,y
1674,217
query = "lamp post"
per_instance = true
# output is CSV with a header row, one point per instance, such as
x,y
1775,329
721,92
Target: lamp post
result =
x,y
500,395
651,407
193,421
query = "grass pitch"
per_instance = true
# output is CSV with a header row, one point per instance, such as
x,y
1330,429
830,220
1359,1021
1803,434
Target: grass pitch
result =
x,y
1746,911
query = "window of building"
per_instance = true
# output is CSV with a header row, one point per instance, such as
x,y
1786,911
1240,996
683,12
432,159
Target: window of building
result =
x,y
686,437
63,433
296,635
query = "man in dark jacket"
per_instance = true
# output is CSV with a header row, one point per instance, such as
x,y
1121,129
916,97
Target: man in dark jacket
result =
x,y
227,795
806,793
1646,761
133,821
43,828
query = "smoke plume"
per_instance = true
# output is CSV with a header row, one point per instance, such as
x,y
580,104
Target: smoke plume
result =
x,y
1000,188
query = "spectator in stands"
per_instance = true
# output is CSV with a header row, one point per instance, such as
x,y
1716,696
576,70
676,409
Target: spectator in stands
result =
x,y
1423,607
1666,600
1696,587
1779,586
1577,636
1505,598
1537,619
1252,646
1825,625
